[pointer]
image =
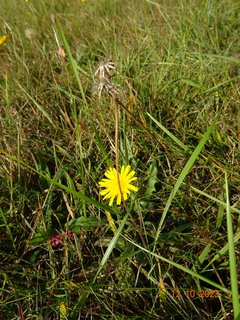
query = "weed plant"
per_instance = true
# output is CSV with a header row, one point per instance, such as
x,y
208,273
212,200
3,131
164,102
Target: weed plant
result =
x,y
167,106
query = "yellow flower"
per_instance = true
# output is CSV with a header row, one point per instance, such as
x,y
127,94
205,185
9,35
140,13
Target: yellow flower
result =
x,y
111,184
63,311
3,39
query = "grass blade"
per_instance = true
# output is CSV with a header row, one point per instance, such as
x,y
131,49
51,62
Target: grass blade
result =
x,y
183,175
40,108
172,136
222,251
233,209
232,256
180,267
101,146
104,260
60,185
7,228
111,246
73,64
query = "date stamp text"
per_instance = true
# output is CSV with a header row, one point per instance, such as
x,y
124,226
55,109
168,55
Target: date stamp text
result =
x,y
195,294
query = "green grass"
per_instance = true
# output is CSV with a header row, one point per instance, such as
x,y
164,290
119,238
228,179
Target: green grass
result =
x,y
174,253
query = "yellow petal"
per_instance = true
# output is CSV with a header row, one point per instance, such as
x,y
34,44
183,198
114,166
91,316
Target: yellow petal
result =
x,y
3,39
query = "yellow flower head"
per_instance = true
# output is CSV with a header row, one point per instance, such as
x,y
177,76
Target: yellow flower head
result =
x,y
63,311
3,39
111,184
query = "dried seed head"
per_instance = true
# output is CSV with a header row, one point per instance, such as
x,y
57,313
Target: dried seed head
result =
x,y
103,81
102,78
104,70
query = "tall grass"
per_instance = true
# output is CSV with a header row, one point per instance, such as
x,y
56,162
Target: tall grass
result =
x,y
171,254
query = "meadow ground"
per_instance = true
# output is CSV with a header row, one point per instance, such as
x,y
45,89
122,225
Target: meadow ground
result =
x,y
90,85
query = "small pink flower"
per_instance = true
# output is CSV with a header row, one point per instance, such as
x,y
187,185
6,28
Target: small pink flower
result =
x,y
70,235
57,240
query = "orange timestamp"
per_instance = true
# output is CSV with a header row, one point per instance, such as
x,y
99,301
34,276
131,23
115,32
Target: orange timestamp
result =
x,y
196,294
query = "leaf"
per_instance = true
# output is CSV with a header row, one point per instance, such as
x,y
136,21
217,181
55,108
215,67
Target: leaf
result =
x,y
217,137
83,224
104,242
152,179
39,238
